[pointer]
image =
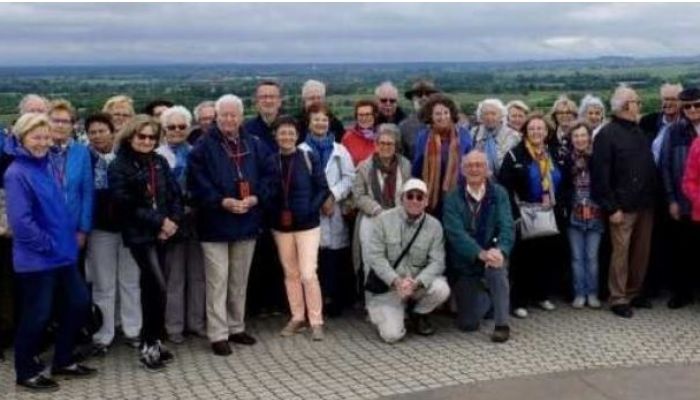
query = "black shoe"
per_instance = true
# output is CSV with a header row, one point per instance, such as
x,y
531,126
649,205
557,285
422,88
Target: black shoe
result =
x,y
500,334
74,371
422,325
677,302
98,350
221,348
150,358
40,383
641,302
166,355
242,338
622,310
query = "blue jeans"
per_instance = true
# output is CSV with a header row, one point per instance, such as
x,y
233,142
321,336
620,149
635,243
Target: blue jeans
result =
x,y
476,295
584,259
37,293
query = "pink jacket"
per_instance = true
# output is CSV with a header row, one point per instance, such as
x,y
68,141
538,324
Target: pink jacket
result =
x,y
691,179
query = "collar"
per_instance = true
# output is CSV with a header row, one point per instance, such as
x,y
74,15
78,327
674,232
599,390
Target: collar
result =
x,y
404,217
476,194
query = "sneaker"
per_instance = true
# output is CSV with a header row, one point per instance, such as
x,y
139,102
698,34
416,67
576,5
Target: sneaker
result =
x,y
221,348
500,334
578,302
317,333
39,383
520,312
292,328
622,310
176,338
593,301
132,341
547,305
150,358
74,371
242,338
166,356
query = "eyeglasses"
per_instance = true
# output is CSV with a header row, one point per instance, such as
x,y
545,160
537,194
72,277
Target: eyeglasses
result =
x,y
390,101
365,115
181,127
121,115
59,121
386,143
688,106
415,196
423,94
141,136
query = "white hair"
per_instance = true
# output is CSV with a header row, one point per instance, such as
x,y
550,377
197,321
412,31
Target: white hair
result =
x,y
389,129
31,97
519,104
174,110
670,87
313,85
200,106
590,101
619,98
386,86
229,98
490,103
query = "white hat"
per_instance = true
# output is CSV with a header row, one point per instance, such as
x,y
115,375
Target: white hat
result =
x,y
414,184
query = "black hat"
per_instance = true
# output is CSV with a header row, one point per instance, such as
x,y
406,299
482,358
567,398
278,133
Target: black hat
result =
x,y
690,94
419,87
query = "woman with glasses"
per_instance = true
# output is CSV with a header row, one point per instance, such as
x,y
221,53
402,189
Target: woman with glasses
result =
x,y
148,199
563,115
121,108
360,139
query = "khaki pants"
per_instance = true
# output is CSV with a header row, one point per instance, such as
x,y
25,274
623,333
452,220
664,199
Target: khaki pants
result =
x,y
226,268
630,255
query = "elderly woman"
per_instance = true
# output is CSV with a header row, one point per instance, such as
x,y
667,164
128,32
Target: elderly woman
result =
x,y
439,149
592,112
335,237
313,93
69,162
531,174
377,185
45,252
184,269
149,202
563,115
517,114
492,136
360,139
300,189
110,266
121,108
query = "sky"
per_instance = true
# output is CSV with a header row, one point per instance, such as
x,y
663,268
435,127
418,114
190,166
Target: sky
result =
x,y
133,33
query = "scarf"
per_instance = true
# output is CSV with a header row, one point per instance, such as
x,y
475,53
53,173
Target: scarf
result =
x,y
544,163
101,168
386,197
486,141
323,146
432,164
366,133
181,151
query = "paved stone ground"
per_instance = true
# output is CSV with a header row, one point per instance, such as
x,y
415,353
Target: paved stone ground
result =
x,y
353,364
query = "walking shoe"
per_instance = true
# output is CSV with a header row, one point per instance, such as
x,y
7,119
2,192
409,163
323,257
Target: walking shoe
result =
x,y
641,302
520,312
292,328
150,358
578,302
242,338
98,350
166,356
622,310
501,334
74,371
593,301
176,338
221,348
132,341
317,333
677,302
547,305
39,383
421,324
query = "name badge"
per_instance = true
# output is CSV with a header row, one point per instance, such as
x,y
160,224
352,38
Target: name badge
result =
x,y
243,189
286,219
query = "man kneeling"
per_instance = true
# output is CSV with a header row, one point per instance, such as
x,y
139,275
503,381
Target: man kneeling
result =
x,y
405,261
480,234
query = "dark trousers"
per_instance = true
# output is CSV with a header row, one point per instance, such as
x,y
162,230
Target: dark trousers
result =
x,y
683,271
37,290
475,296
337,279
149,259
7,294
535,263
266,290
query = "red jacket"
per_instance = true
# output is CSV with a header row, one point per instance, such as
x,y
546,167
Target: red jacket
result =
x,y
691,179
359,147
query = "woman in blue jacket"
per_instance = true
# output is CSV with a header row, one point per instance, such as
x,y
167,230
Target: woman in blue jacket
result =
x,y
300,188
45,252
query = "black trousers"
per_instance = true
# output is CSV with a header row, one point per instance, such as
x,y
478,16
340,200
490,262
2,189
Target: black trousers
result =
x,y
150,260
535,266
266,290
683,271
337,278
8,305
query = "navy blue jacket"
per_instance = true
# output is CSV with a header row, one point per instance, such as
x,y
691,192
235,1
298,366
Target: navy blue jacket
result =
x,y
308,190
212,177
674,154
257,127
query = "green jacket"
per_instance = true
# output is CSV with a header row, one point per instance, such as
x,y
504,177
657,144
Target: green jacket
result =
x,y
461,235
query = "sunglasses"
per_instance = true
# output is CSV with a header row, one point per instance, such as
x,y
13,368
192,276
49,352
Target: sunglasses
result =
x,y
415,196
178,127
390,101
141,136
691,105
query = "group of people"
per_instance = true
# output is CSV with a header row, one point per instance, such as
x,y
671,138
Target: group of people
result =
x,y
161,218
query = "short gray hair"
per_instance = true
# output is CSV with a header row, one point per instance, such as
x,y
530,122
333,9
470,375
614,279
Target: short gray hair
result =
x,y
387,85
677,88
312,84
174,110
389,129
490,103
590,101
31,97
229,98
619,98
200,106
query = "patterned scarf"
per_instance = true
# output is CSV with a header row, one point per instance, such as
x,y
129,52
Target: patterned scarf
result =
x,y
432,164
181,151
386,197
544,163
323,146
101,168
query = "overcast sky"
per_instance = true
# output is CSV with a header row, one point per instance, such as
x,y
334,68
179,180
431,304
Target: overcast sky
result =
x,y
106,33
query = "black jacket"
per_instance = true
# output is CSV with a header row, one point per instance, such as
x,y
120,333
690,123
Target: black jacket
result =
x,y
129,179
623,169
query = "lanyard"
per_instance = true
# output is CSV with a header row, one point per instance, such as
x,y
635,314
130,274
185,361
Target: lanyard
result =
x,y
234,156
286,183
152,185
59,169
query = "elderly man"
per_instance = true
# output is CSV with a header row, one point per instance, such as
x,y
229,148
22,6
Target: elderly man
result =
x,y
623,180
225,174
314,92
480,235
654,124
268,102
411,126
405,260
33,103
204,115
387,97
493,136
674,154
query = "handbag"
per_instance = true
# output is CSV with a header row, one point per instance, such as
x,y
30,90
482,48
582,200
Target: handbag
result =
x,y
536,220
374,284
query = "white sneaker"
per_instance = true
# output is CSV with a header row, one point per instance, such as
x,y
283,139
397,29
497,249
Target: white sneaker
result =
x,y
547,305
578,302
593,301
520,312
